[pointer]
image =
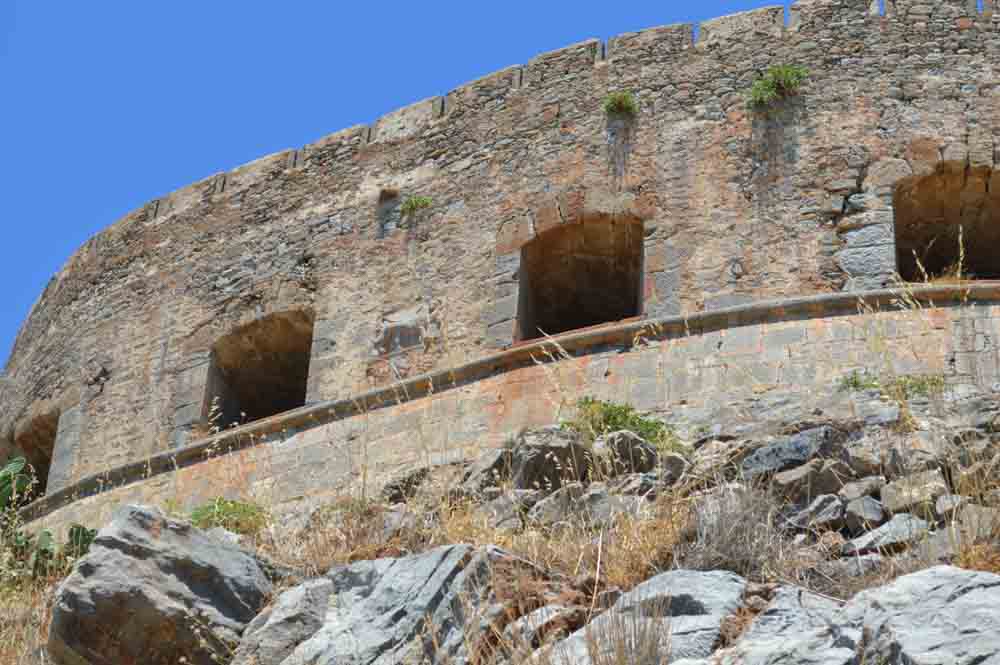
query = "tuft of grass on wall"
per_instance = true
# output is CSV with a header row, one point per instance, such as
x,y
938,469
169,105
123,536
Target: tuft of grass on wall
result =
x,y
595,418
858,382
621,103
778,82
916,385
244,518
902,387
414,204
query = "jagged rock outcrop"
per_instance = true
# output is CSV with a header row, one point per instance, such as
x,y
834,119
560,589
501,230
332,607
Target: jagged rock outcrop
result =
x,y
436,605
940,615
169,591
683,609
154,590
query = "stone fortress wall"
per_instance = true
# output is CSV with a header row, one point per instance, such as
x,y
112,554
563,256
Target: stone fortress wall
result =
x,y
293,287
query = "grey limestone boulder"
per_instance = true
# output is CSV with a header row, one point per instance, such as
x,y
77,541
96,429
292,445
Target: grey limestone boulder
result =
x,y
625,452
510,509
540,459
915,493
791,451
156,591
939,615
869,486
898,533
583,506
683,608
864,514
813,479
795,629
826,512
421,608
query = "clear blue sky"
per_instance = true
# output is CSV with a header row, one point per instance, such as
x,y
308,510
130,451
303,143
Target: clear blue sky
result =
x,y
110,103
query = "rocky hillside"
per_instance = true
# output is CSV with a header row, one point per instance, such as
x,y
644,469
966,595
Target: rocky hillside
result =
x,y
868,539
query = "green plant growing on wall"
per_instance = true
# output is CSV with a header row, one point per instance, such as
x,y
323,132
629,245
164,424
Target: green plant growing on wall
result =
x,y
240,517
897,388
595,418
415,204
621,103
858,382
778,82
14,483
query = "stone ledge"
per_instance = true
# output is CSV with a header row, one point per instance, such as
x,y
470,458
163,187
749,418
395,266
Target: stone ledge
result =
x,y
574,343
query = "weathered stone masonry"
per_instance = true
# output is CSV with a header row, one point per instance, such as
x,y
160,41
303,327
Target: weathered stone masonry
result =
x,y
123,354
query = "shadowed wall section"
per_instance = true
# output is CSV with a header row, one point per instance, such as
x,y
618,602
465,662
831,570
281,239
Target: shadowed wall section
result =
x,y
581,275
945,218
261,369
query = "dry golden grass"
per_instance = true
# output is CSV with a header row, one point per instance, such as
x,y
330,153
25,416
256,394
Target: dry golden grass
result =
x,y
25,611
983,557
629,551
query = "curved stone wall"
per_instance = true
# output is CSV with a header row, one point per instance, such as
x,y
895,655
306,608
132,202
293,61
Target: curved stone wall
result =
x,y
116,357
748,366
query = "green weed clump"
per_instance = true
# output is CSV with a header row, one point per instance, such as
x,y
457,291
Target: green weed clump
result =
x,y
621,103
898,387
244,518
414,204
858,382
15,483
778,82
595,418
921,385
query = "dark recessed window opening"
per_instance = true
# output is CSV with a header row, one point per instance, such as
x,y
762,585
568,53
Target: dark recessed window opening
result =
x,y
580,275
389,212
945,221
260,370
38,443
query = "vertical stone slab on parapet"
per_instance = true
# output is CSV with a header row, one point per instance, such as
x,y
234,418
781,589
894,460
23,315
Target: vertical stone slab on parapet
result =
x,y
662,279
257,171
484,92
921,11
324,358
817,16
562,64
630,53
765,24
501,312
333,149
178,202
66,450
189,398
405,122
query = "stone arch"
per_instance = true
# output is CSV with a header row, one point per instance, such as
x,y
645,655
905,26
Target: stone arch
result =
x,y
932,211
260,369
36,438
581,274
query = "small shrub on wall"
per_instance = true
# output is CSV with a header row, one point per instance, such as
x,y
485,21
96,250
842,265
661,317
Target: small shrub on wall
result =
x,y
595,418
621,103
778,82
415,204
244,518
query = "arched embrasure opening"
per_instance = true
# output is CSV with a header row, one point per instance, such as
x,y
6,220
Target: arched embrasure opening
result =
x,y
580,275
945,221
261,369
38,443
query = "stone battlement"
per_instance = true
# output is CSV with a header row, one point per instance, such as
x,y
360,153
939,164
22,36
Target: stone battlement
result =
x,y
512,207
